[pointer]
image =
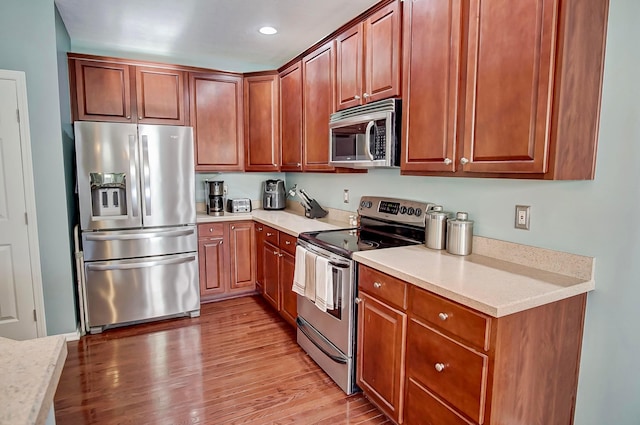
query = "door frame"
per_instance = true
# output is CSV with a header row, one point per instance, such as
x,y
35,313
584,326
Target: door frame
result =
x,y
30,196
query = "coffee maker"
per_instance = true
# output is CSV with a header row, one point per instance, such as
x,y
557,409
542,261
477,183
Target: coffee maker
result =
x,y
273,195
214,196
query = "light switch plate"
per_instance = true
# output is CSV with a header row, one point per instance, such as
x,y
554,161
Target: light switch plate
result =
x,y
523,213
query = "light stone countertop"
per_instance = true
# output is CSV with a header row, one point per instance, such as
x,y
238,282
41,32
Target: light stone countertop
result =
x,y
29,375
499,278
287,221
490,285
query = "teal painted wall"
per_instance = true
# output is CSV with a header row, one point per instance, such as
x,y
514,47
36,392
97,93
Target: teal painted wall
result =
x,y
28,43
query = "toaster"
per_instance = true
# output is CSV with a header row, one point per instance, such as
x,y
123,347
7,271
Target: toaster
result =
x,y
241,205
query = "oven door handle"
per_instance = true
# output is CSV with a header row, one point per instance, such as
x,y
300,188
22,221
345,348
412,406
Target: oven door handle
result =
x,y
302,324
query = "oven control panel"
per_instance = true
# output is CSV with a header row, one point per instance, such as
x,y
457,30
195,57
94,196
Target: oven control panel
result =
x,y
394,209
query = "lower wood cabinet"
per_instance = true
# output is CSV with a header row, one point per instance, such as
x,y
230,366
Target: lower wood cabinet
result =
x,y
278,251
462,367
227,259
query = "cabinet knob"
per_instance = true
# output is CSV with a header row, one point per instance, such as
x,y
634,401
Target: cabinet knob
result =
x,y
358,300
287,242
275,165
280,255
128,117
439,367
443,316
259,229
356,97
377,285
275,252
269,234
447,161
139,118
221,242
233,227
464,161
210,229
298,165
365,95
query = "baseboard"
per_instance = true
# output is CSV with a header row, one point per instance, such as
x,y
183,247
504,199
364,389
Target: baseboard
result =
x,y
72,336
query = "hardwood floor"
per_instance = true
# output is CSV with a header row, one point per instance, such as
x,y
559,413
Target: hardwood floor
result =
x,y
236,364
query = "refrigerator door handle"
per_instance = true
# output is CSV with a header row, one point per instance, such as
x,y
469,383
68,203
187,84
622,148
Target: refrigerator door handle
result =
x,y
146,172
133,184
138,235
140,264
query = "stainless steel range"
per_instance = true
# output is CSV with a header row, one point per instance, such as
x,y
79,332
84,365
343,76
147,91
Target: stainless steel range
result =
x,y
329,337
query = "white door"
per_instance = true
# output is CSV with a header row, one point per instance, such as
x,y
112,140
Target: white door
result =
x,y
20,280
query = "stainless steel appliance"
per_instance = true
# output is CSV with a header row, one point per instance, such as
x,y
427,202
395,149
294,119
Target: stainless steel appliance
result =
x,y
366,136
330,337
136,188
214,196
241,205
273,195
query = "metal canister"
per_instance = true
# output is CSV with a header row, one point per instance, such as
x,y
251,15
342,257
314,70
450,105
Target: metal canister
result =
x,y
436,227
459,234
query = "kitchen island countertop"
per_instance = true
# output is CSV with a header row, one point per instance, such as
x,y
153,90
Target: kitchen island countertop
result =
x,y
29,371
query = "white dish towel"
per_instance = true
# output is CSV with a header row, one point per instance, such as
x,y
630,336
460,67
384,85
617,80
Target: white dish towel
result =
x,y
299,274
324,284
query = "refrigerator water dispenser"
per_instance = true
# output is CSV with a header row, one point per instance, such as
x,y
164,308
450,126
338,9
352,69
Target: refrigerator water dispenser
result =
x,y
108,194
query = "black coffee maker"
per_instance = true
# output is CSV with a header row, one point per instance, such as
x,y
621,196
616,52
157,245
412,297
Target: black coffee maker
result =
x,y
214,196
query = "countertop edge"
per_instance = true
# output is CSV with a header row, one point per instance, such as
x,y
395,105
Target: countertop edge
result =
x,y
54,379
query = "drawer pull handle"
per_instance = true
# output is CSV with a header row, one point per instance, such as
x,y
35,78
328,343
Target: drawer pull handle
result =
x,y
259,229
377,285
358,300
287,242
269,234
280,255
275,252
439,367
443,316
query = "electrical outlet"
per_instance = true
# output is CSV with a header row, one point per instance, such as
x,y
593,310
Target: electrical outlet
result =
x,y
345,196
522,217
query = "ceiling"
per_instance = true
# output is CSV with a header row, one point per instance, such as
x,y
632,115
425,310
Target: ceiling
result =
x,y
219,34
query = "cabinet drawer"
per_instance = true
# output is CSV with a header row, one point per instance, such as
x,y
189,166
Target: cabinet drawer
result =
x,y
210,229
270,234
423,408
452,371
383,286
451,317
288,243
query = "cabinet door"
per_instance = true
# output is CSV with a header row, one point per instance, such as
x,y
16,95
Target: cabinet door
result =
x,y
270,258
509,85
381,354
289,308
349,64
432,55
211,267
261,133
103,91
318,76
160,96
259,249
291,118
242,256
383,54
216,117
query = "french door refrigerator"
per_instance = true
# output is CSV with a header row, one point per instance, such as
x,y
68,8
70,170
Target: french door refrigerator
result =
x,y
137,215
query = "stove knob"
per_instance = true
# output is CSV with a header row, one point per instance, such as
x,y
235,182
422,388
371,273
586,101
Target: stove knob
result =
x,y
363,204
410,211
369,204
418,212
403,210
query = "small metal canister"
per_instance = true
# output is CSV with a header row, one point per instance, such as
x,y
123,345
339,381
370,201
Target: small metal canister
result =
x,y
436,227
459,234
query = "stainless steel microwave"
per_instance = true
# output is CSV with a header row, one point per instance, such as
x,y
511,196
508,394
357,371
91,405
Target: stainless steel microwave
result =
x,y
366,136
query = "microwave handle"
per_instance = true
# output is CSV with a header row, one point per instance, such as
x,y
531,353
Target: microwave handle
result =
x,y
367,140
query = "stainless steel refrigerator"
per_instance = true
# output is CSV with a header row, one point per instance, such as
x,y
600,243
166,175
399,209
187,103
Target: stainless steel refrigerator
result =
x,y
137,215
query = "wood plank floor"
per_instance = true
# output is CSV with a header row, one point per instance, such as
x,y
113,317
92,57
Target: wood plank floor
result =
x,y
236,364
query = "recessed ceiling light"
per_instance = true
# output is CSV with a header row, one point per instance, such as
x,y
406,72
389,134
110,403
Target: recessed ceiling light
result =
x,y
268,30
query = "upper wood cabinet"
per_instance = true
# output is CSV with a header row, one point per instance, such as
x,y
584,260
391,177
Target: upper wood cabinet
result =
x,y
160,95
529,101
368,59
318,74
216,117
261,134
120,92
291,118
